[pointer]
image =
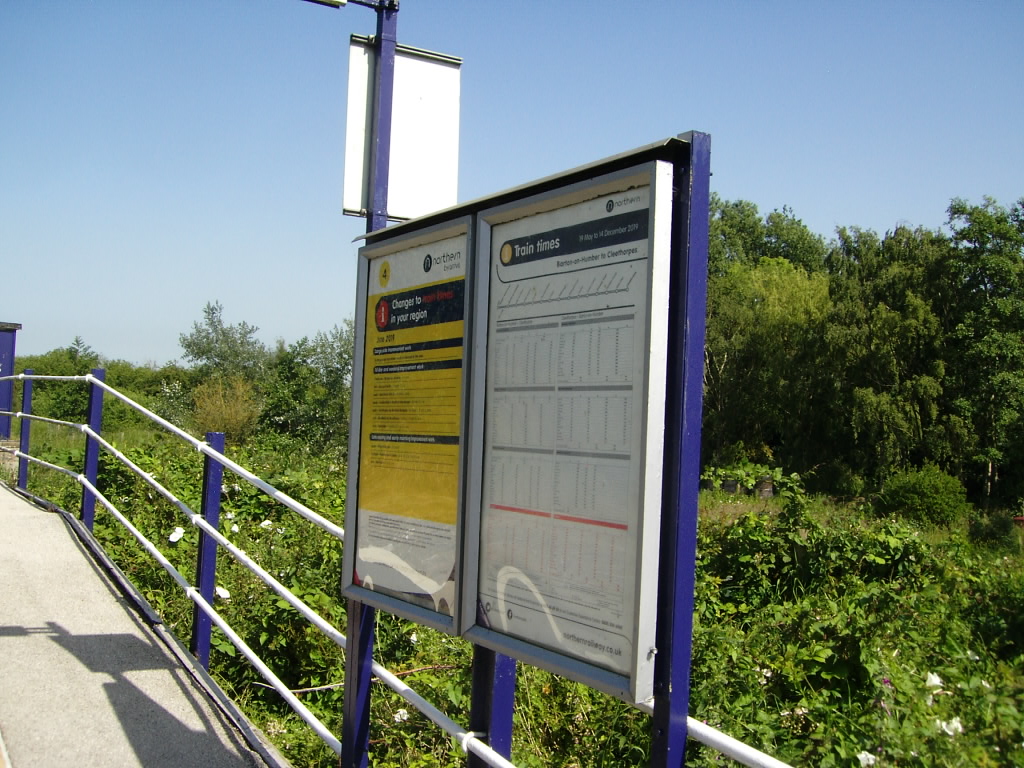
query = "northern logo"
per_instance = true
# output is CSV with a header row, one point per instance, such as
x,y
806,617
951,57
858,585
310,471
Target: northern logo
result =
x,y
609,206
428,262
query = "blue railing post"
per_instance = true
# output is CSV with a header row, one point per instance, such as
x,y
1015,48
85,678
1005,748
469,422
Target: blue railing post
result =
x,y
492,701
206,561
682,457
8,335
94,419
355,731
26,430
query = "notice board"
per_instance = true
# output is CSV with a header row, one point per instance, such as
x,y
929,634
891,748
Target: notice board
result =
x,y
410,407
513,407
572,403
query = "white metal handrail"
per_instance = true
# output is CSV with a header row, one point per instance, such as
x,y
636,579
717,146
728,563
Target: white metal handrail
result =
x,y
469,741
296,506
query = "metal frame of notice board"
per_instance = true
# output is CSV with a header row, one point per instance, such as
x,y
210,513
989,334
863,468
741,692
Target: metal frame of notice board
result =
x,y
583,478
568,425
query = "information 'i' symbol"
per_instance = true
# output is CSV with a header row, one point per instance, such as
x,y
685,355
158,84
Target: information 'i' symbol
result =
x,y
383,314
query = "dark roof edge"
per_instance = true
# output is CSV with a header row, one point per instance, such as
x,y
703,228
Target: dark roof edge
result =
x,y
668,148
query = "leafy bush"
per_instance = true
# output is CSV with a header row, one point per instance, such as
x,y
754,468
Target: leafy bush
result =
x,y
227,405
994,530
818,636
927,495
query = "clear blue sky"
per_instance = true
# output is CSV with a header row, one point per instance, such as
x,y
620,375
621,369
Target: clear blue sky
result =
x,y
158,155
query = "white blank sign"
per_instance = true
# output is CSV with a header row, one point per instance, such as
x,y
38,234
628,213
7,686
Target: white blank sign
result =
x,y
424,170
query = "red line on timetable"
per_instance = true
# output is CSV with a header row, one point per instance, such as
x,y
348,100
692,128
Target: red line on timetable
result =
x,y
520,510
589,521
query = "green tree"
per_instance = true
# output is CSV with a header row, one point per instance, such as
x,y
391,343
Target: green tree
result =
x,y
226,350
64,400
308,392
763,326
883,365
735,236
739,235
984,320
787,237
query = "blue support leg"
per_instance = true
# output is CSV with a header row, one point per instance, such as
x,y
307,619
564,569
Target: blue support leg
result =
x,y
92,448
24,444
355,736
206,561
493,699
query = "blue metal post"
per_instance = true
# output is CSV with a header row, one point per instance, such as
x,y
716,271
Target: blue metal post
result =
x,y
380,137
26,430
8,335
682,456
355,734
206,561
492,701
94,419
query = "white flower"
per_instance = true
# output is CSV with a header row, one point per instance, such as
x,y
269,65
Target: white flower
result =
x,y
280,530
175,537
413,637
267,524
401,716
222,593
973,656
986,684
933,680
229,515
234,528
953,727
866,758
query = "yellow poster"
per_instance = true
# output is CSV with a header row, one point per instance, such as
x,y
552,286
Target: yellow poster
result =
x,y
411,424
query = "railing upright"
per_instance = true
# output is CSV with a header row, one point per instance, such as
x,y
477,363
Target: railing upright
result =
x,y
92,448
206,560
26,430
492,701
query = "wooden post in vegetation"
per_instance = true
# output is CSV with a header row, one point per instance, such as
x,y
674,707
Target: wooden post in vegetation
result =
x,y
26,430
206,559
94,418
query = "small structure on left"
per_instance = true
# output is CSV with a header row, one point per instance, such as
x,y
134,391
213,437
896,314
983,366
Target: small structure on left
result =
x,y
8,334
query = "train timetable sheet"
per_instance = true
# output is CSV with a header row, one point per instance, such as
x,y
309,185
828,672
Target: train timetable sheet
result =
x,y
567,341
411,422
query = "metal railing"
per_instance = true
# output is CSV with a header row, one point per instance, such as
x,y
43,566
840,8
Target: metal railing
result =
x,y
470,741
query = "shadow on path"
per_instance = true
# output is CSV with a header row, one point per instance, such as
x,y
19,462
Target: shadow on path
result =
x,y
157,736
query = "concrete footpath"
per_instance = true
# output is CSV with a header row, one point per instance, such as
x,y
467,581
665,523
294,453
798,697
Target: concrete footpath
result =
x,y
84,680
